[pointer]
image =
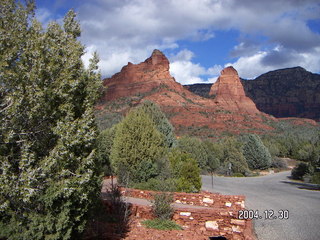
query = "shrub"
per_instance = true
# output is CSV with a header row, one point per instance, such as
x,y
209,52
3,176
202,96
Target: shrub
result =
x,y
185,169
299,171
161,224
161,206
279,163
316,178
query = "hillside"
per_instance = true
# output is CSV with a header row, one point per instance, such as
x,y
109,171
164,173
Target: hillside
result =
x,y
290,92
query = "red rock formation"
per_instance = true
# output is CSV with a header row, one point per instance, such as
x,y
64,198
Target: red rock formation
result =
x,y
229,93
151,80
140,78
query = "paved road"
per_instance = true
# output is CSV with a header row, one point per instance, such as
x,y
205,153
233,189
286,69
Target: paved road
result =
x,y
275,192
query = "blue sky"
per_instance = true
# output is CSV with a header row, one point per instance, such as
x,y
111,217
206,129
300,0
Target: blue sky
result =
x,y
200,37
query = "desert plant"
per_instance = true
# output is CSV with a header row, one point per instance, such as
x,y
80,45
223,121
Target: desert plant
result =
x,y
161,206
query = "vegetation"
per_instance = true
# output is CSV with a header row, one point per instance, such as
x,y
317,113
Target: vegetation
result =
x,y
162,224
161,206
186,171
255,153
137,147
161,122
195,148
49,175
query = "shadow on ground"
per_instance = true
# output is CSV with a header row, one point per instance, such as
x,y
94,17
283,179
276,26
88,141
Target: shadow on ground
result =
x,y
301,185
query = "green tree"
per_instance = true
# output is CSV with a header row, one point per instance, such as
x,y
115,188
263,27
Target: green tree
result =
x,y
185,169
196,148
256,154
137,148
161,122
214,154
48,174
233,156
104,146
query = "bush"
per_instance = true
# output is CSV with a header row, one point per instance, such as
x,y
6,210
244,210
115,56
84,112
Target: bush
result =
x,y
161,206
161,224
279,163
299,171
316,178
185,169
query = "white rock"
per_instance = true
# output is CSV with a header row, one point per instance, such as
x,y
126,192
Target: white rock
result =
x,y
207,200
236,229
228,204
185,214
213,225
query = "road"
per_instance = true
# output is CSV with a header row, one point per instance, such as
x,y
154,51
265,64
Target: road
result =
x,y
275,192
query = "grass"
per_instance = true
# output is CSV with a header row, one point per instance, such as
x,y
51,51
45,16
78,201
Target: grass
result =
x,y
161,224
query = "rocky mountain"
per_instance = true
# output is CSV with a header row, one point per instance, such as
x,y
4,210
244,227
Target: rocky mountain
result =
x,y
230,110
290,92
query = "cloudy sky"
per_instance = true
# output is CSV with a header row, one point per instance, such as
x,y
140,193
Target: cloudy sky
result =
x,y
199,37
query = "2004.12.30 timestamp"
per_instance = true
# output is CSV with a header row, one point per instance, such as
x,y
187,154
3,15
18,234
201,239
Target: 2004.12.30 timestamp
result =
x,y
268,214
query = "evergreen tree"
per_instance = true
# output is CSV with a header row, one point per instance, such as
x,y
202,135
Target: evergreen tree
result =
x,y
185,170
256,154
214,155
104,146
137,148
196,148
160,120
48,173
233,157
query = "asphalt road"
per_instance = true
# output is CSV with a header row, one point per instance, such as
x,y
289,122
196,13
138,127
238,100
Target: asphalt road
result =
x,y
275,192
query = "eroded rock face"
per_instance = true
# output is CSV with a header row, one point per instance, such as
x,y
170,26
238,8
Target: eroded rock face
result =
x,y
151,80
228,92
290,92
140,78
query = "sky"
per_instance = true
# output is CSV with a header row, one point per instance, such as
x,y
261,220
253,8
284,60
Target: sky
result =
x,y
199,37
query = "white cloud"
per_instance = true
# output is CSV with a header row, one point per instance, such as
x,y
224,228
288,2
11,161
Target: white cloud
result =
x,y
252,66
186,72
123,31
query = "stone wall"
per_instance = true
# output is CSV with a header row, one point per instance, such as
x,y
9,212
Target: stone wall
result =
x,y
205,199
218,214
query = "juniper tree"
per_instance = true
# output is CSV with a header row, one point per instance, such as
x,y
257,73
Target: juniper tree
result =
x,y
137,148
161,122
48,173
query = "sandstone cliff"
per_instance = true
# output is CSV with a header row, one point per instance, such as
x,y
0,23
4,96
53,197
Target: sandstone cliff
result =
x,y
229,93
291,92
229,111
